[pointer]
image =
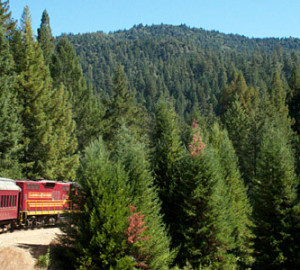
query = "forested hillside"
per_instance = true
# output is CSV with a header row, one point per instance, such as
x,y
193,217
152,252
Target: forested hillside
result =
x,y
184,143
191,65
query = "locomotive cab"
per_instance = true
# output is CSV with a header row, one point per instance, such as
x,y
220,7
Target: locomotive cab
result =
x,y
42,202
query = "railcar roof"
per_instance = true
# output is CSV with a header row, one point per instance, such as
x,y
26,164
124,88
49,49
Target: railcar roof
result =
x,y
42,181
8,184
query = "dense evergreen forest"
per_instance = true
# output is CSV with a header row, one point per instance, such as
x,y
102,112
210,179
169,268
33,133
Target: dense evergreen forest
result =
x,y
184,142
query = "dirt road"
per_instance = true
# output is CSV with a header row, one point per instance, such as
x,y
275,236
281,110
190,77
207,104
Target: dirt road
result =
x,y
19,250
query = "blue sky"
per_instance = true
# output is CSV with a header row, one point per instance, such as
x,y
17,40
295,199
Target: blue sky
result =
x,y
252,18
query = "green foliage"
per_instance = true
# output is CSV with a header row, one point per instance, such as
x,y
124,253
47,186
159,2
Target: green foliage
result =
x,y
121,109
63,127
45,38
44,260
239,211
66,70
167,154
208,240
34,90
49,142
5,19
144,196
11,127
101,226
275,211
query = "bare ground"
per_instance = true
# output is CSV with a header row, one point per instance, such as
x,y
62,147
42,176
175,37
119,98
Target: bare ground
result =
x,y
20,250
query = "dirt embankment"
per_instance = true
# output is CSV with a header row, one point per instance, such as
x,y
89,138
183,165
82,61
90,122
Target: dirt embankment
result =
x,y
19,250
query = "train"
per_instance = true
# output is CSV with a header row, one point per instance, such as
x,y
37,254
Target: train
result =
x,y
33,203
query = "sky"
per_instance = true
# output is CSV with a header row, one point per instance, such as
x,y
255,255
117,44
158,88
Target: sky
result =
x,y
252,18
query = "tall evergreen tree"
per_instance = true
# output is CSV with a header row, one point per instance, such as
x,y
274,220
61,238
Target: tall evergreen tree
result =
x,y
294,100
275,203
121,108
49,142
240,211
11,128
144,196
46,39
242,119
63,128
5,19
209,240
166,158
294,109
34,92
66,70
100,227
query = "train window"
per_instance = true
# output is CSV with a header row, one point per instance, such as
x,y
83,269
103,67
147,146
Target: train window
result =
x,y
56,195
9,200
1,203
5,201
15,200
33,186
65,188
50,185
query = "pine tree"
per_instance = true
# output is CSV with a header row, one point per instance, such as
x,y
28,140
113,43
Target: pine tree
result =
x,y
5,18
243,120
240,211
209,240
167,154
276,106
87,112
121,108
45,38
48,137
144,196
11,128
34,92
100,228
67,161
275,210
237,124
294,109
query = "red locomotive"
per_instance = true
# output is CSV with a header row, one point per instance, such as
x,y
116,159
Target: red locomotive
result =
x,y
32,203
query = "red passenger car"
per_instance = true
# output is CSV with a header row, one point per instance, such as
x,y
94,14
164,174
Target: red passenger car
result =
x,y
42,202
9,195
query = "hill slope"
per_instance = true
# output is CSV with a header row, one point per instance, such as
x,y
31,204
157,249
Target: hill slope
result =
x,y
192,65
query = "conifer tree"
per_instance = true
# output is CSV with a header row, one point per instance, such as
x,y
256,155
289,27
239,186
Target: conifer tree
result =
x,y
167,154
87,113
11,128
100,228
144,196
121,108
243,120
276,106
237,123
276,211
209,240
67,161
46,39
34,92
49,142
294,107
5,19
240,211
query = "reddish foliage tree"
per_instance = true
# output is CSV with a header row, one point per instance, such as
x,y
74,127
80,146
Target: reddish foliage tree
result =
x,y
135,237
196,146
